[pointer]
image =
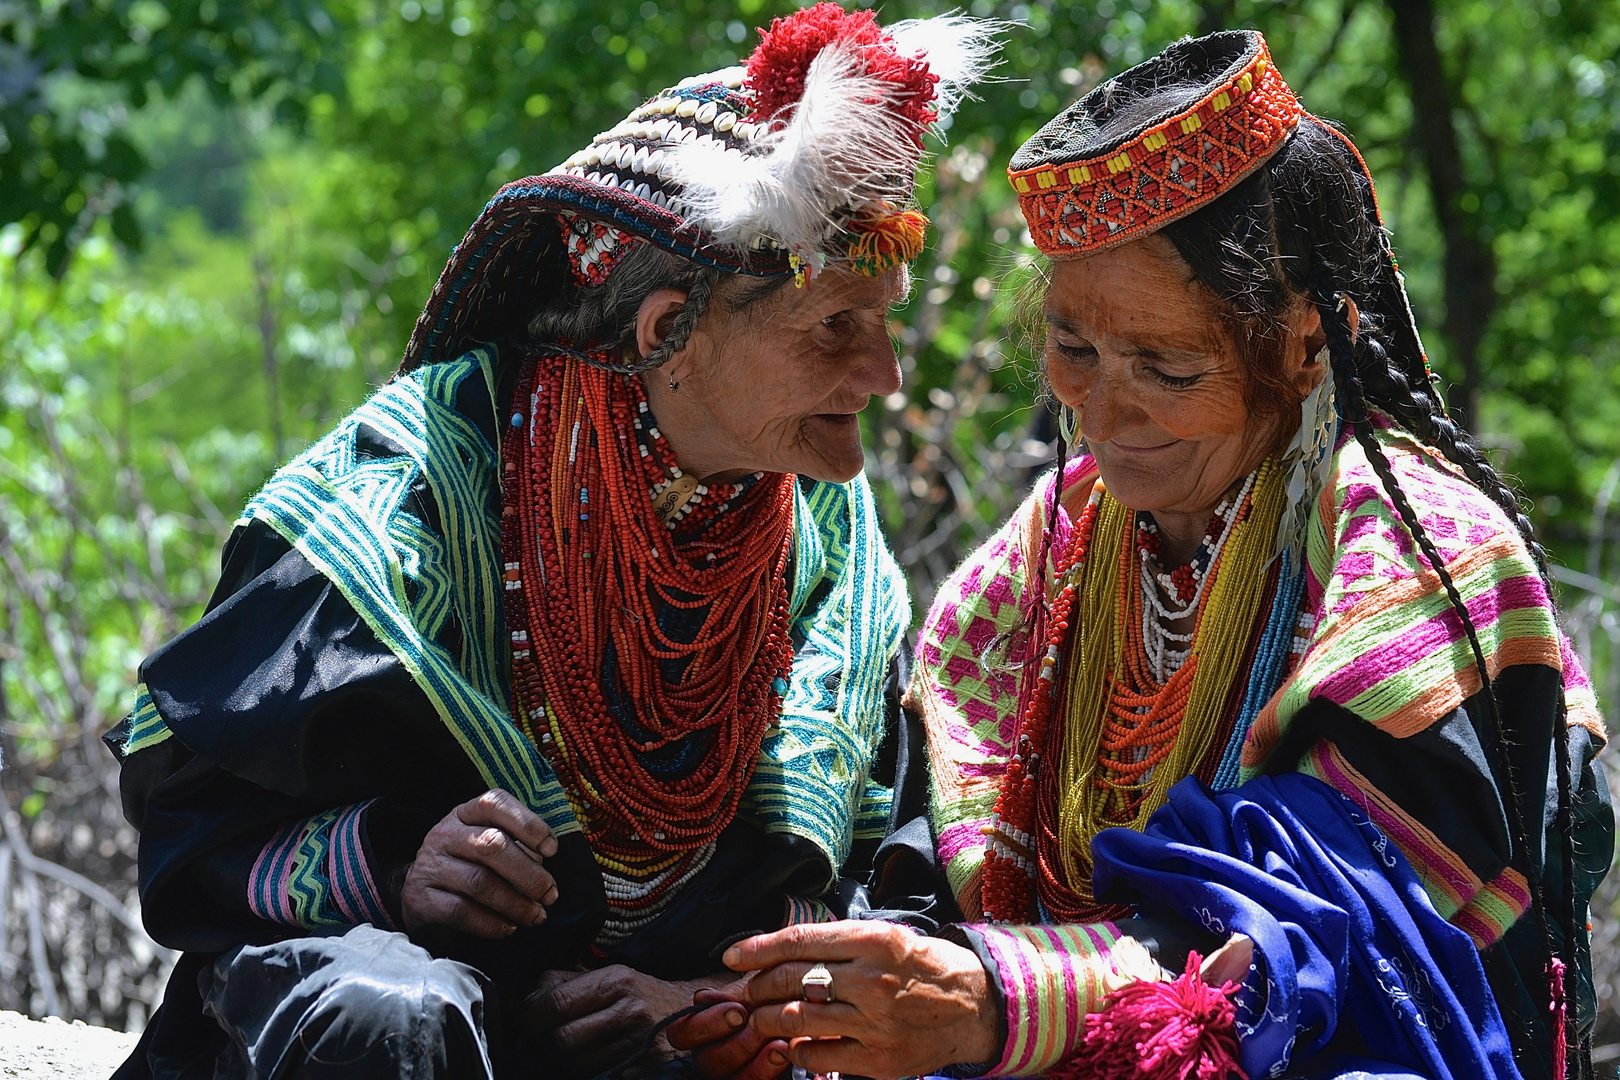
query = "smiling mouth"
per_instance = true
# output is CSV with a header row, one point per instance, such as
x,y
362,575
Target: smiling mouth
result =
x,y
1142,450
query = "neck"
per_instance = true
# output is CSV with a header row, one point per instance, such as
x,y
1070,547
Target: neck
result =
x,y
689,429
1180,533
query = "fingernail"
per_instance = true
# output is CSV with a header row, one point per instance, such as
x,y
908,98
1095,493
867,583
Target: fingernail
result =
x,y
778,1058
509,931
733,957
735,1018
548,847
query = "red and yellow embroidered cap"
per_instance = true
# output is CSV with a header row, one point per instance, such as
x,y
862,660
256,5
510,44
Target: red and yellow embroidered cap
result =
x,y
1092,179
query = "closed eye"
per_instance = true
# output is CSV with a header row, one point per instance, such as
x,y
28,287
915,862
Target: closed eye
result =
x,y
1175,382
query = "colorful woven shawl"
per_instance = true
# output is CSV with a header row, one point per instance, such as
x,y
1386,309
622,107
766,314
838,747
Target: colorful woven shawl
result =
x,y
348,517
1380,640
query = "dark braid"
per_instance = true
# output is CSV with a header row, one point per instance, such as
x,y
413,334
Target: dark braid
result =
x,y
1421,413
686,320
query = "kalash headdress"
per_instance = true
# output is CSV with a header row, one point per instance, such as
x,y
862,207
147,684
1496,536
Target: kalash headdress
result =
x,y
1085,186
804,157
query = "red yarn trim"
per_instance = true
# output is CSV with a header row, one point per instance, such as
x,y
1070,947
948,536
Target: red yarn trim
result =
x,y
1166,172
777,68
1181,1030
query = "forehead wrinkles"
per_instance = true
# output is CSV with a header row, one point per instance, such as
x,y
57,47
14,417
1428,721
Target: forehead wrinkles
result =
x,y
1133,310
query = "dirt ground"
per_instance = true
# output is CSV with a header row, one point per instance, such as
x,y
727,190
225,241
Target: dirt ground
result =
x,y
32,1050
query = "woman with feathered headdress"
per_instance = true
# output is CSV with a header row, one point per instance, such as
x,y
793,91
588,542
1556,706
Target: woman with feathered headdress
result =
x,y
572,655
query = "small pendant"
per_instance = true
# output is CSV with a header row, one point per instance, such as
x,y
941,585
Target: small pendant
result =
x,y
669,501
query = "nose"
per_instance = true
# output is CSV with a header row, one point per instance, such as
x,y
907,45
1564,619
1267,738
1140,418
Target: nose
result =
x,y
1106,408
877,370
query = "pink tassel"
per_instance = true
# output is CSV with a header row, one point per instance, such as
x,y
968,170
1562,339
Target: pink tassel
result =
x,y
1181,1030
1558,1006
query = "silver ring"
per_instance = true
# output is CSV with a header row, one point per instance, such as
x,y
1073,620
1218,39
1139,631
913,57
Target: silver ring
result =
x,y
817,985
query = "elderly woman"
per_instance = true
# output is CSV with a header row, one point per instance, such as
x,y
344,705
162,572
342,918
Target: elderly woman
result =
x,y
570,657
1256,748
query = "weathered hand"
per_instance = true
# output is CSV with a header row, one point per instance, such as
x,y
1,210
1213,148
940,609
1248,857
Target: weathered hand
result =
x,y
905,1005
599,1018
723,1044
480,870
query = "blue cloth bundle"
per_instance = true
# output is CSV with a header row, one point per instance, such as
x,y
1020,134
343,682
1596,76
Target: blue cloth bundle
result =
x,y
1343,931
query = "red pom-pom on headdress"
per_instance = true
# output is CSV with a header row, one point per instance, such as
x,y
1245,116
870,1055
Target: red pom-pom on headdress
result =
x,y
777,68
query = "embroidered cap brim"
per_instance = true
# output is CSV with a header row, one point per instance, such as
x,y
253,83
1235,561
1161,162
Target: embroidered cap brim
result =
x,y
1084,186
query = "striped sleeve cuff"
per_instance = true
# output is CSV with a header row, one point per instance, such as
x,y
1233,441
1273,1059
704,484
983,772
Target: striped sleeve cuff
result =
x,y
315,873
800,910
1051,977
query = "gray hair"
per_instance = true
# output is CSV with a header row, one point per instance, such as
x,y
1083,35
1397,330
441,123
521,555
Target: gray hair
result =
x,y
603,316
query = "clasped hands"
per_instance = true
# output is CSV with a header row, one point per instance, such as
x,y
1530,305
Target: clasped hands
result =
x,y
904,1005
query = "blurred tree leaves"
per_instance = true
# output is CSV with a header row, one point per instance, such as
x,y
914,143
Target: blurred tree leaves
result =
x,y
71,71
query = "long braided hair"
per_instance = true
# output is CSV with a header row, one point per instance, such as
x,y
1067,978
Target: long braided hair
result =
x,y
1307,224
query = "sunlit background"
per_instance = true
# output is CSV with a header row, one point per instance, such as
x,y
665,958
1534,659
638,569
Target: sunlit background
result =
x,y
219,218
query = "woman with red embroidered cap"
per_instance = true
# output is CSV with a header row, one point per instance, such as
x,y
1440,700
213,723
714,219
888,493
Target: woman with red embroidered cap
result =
x,y
1255,747
574,654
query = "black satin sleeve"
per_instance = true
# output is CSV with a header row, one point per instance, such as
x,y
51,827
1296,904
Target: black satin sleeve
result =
x,y
1450,779
284,704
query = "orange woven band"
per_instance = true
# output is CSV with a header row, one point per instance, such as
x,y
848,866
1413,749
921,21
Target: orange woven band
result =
x,y
1167,172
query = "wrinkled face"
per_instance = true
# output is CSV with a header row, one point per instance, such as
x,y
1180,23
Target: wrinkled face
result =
x,y
1136,346
778,385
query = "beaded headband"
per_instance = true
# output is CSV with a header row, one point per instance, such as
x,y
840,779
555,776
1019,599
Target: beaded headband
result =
x,y
1084,188
1083,192
803,158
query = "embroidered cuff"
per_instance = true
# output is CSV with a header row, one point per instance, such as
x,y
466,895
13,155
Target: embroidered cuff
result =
x,y
800,910
1051,977
315,873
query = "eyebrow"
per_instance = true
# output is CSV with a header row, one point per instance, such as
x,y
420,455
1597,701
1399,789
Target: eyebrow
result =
x,y
1145,352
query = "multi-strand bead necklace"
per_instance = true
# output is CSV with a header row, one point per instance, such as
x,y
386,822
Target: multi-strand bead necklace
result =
x,y
647,661
1122,706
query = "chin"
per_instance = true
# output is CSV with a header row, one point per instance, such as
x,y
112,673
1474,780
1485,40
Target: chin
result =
x,y
836,458
1136,487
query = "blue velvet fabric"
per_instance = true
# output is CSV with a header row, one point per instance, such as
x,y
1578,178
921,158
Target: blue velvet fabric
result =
x,y
1356,973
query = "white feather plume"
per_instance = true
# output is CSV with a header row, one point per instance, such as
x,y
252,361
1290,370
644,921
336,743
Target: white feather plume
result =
x,y
960,50
845,145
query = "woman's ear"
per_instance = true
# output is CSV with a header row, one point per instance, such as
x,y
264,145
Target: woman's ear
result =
x,y
656,317
1304,364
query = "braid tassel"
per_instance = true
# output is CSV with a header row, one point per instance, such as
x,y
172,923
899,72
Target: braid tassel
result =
x,y
1558,1016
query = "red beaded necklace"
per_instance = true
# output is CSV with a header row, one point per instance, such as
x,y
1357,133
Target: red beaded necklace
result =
x,y
592,576
1141,720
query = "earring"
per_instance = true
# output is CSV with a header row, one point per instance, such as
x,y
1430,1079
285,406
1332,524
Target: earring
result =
x,y
1068,424
1307,459
674,385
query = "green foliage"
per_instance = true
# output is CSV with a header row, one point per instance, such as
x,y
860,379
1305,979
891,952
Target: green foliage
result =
x,y
219,219
70,71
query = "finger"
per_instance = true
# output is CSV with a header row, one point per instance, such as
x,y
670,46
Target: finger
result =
x,y
719,1021
550,980
768,1061
1229,963
610,1033
847,940
508,857
785,982
833,1055
807,1019
441,908
503,810
714,995
591,992
484,886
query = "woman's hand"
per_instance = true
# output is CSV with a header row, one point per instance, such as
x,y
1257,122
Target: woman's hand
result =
x,y
904,1005
480,870
600,1018
724,1045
